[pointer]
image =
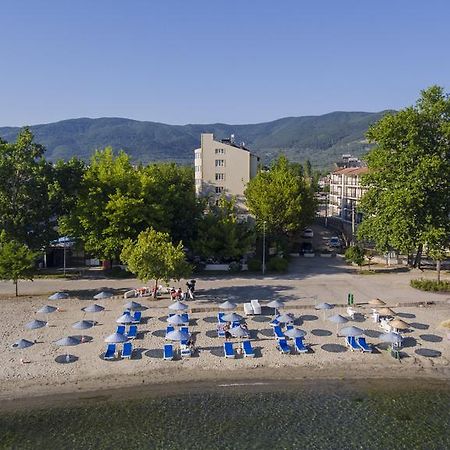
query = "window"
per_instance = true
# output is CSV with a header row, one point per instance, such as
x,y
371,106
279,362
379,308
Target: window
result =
x,y
220,163
220,176
220,151
219,189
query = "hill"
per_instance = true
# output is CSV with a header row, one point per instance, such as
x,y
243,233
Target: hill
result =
x,y
322,139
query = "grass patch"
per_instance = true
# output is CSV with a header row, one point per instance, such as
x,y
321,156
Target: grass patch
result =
x,y
430,285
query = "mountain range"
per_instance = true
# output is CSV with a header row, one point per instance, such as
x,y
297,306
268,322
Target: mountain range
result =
x,y
321,139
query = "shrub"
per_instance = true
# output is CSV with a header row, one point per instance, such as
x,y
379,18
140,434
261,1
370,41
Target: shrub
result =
x,y
431,285
254,265
235,267
277,264
355,254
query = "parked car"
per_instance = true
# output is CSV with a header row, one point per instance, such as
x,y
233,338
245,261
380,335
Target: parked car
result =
x,y
308,233
335,242
306,247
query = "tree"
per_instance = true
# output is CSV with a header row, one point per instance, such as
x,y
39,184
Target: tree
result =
x,y
281,198
25,206
153,256
408,196
437,243
355,254
221,235
17,261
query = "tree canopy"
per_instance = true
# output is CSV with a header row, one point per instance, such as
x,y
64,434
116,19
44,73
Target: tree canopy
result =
x,y
407,204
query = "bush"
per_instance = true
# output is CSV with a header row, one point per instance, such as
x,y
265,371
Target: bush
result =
x,y
430,285
277,264
355,254
235,267
254,265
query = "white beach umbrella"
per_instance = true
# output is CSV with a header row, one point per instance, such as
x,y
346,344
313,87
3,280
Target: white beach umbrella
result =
x,y
133,306
47,309
392,338
22,343
83,325
34,324
294,333
68,341
116,338
337,319
177,335
285,318
238,332
125,319
228,305
178,306
324,306
232,317
176,319
93,309
59,296
351,331
103,294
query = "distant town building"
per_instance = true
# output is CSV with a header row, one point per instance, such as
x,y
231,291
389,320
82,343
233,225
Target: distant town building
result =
x,y
223,168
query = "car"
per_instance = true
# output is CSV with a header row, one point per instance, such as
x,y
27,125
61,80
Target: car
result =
x,y
308,233
334,242
306,247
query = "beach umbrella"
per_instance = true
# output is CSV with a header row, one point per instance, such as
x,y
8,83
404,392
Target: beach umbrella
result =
x,y
47,310
178,306
125,319
238,332
391,337
275,304
116,338
399,324
22,343
67,342
103,294
337,319
386,312
132,306
227,305
177,335
232,317
82,325
351,331
294,333
59,296
93,308
176,319
376,302
324,306
35,324
285,318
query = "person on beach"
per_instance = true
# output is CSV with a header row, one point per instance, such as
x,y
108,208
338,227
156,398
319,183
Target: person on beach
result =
x,y
226,328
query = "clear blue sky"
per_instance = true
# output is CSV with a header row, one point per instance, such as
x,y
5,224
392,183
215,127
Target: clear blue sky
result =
x,y
209,61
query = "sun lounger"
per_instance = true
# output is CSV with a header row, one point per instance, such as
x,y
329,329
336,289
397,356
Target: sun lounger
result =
x,y
127,350
169,329
137,317
132,332
236,323
121,329
274,323
278,333
248,309
185,330
219,317
168,352
361,341
228,349
220,331
351,342
300,345
185,317
110,351
248,349
256,307
289,327
185,349
283,347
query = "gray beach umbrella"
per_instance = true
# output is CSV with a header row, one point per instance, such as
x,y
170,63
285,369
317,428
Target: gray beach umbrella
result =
x,y
47,309
285,318
337,319
227,305
177,335
176,319
68,341
93,308
59,296
125,319
275,304
391,337
116,338
324,306
103,294
351,331
178,306
83,325
34,324
294,333
22,343
238,332
132,306
232,317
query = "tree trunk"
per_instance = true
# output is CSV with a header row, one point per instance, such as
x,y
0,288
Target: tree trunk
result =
x,y
418,256
16,282
438,270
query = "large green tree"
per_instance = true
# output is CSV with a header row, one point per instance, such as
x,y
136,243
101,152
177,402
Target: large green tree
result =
x,y
153,256
408,198
281,198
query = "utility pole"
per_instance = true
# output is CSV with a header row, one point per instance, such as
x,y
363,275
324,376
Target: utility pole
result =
x,y
264,249
326,210
353,222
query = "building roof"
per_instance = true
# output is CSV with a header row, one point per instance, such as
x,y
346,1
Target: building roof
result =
x,y
351,171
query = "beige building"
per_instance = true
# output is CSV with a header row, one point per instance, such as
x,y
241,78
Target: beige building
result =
x,y
222,167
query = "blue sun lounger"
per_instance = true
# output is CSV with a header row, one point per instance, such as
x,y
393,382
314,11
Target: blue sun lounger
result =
x,y
137,317
185,317
219,317
278,333
168,352
132,332
228,349
366,348
351,342
185,330
274,323
248,349
121,329
127,350
169,329
300,345
220,330
284,347
110,351
289,327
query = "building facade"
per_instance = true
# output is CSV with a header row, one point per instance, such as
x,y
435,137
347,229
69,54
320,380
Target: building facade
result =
x,y
223,168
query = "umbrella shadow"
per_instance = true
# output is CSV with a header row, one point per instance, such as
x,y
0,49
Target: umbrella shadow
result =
x,y
428,352
431,337
211,333
419,326
404,315
260,319
66,359
217,351
83,338
210,319
309,317
373,333
358,317
334,348
163,319
138,352
321,332
155,353
159,333
267,332
409,342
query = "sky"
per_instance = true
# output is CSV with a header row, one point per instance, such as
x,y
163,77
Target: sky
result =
x,y
232,61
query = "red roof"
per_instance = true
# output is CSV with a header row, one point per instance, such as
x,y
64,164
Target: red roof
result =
x,y
351,171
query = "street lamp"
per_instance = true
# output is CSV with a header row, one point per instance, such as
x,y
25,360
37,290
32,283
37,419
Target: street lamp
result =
x,y
264,249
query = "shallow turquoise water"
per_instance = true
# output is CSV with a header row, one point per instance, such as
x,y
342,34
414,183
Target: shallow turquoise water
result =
x,y
297,418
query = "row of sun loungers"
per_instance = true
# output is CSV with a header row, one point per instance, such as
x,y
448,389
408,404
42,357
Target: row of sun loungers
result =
x,y
127,351
285,348
136,317
246,348
358,344
132,331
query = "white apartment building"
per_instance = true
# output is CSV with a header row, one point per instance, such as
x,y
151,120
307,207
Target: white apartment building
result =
x,y
222,167
345,192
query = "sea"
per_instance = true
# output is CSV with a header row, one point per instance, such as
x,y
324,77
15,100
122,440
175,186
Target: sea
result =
x,y
300,414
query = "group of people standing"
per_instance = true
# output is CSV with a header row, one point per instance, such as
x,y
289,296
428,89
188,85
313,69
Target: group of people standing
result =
x,y
178,294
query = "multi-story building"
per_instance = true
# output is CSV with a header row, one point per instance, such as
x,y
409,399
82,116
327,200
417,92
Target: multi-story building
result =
x,y
223,168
